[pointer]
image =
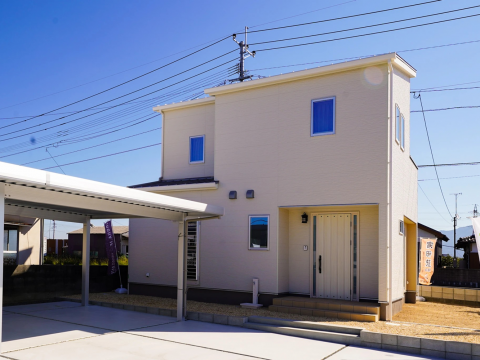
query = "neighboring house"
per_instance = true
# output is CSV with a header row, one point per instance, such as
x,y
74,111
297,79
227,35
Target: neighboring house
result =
x,y
22,244
313,169
469,245
426,232
57,246
97,241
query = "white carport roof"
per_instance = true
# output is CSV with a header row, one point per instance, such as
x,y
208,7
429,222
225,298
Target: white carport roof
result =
x,y
40,194
37,193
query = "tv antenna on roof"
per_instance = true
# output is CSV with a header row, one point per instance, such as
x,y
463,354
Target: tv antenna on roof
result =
x,y
244,53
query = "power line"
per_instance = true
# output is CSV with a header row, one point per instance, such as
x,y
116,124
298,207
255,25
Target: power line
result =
x,y
370,55
103,156
118,97
368,34
55,161
165,57
452,177
449,108
451,164
94,146
442,86
172,94
448,89
121,84
113,106
432,203
367,26
344,17
431,152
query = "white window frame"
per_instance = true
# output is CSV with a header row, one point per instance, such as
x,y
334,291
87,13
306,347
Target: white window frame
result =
x,y
197,280
398,129
402,132
334,116
268,232
190,149
401,227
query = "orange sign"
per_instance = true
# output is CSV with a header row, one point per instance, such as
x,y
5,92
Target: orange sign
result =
x,y
427,260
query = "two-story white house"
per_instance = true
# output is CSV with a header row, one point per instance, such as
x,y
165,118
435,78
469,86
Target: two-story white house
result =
x,y
313,169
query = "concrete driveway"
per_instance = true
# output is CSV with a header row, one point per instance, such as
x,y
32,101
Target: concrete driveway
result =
x,y
66,330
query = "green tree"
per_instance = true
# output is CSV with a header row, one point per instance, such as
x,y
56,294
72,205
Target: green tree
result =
x,y
447,261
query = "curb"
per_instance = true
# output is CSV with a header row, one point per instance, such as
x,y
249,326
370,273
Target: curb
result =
x,y
443,349
191,315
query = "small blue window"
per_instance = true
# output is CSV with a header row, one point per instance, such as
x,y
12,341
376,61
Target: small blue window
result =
x,y
323,117
197,149
402,144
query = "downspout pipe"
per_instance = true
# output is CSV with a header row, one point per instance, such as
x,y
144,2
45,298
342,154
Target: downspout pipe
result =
x,y
390,194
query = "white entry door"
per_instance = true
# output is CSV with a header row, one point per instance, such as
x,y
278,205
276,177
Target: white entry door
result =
x,y
333,256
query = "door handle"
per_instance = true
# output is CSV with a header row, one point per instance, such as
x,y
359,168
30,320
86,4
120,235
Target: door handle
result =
x,y
319,264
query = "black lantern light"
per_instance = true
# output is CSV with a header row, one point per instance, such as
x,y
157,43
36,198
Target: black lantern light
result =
x,y
304,218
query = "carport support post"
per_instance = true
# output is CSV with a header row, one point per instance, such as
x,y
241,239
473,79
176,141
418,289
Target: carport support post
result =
x,y
2,218
86,262
181,273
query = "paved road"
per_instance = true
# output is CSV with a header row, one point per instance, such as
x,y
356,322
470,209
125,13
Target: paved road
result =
x,y
66,330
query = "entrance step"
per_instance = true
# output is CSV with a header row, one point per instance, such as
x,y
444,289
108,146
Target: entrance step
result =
x,y
305,329
342,309
341,315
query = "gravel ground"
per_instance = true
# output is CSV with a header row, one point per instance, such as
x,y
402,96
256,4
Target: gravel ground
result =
x,y
429,320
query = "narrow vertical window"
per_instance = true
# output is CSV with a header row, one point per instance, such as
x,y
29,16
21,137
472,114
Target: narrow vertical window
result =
x,y
258,232
197,149
397,124
323,117
402,143
192,250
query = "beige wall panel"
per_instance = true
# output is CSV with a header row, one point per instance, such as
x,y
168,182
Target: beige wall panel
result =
x,y
404,185
283,250
268,148
153,249
180,125
29,244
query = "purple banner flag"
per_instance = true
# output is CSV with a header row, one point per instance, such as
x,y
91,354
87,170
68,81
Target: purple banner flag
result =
x,y
111,248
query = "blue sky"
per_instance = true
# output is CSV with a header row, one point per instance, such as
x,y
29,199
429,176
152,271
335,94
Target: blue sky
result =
x,y
50,46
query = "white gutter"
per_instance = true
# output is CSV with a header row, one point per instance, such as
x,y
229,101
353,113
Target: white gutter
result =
x,y
184,187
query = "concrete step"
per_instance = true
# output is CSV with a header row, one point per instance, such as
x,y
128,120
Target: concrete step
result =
x,y
340,338
326,304
342,315
305,325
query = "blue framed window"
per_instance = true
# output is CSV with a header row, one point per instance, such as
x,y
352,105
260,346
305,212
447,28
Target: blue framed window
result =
x,y
402,143
197,149
398,131
323,117
258,232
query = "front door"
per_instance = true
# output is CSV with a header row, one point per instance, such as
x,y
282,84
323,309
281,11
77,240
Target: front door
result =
x,y
333,256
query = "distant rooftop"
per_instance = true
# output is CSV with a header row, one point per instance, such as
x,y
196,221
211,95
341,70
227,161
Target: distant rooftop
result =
x,y
101,230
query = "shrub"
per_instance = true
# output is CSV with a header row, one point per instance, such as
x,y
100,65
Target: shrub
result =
x,y
52,259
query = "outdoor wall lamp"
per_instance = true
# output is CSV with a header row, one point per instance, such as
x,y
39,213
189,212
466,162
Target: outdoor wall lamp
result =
x,y
304,218
232,194
250,194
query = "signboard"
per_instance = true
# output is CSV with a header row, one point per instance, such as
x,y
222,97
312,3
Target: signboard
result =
x,y
476,230
111,248
427,261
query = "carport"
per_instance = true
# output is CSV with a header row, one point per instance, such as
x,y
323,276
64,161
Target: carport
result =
x,y
36,193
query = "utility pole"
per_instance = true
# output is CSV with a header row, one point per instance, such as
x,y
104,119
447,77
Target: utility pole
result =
x,y
244,53
455,218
